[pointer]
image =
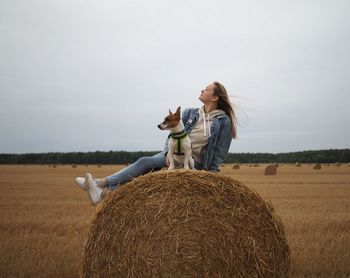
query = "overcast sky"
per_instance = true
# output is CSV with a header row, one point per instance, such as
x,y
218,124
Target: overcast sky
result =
x,y
80,75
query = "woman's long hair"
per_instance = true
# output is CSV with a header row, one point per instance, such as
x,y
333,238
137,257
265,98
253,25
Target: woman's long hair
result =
x,y
225,105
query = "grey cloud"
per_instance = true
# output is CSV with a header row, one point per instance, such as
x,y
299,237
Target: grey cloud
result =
x,y
94,75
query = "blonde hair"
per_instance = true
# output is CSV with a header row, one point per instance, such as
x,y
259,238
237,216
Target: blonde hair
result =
x,y
224,104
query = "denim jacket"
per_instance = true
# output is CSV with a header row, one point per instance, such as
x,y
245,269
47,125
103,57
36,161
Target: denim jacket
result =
x,y
214,153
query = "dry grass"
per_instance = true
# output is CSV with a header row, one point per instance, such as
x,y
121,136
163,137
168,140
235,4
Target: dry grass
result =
x,y
270,170
45,218
192,223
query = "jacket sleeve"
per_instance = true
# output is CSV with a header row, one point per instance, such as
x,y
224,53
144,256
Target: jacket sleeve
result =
x,y
222,146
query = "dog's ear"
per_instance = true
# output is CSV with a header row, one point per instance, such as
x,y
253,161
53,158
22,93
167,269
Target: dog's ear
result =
x,y
170,112
178,111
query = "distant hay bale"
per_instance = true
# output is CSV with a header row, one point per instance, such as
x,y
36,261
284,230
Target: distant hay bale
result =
x,y
317,166
74,166
337,164
270,170
235,166
256,165
86,165
54,166
185,224
276,164
297,164
222,165
99,166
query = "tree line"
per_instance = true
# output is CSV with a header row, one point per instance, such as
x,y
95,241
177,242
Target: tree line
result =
x,y
317,156
124,157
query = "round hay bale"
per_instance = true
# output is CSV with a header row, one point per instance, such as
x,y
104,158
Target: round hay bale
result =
x,y
337,164
235,166
276,164
297,164
99,166
185,224
256,165
317,166
270,170
74,166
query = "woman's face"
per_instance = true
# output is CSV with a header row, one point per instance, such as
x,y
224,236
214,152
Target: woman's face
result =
x,y
207,94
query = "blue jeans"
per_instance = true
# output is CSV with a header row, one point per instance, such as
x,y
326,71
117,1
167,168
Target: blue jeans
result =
x,y
142,166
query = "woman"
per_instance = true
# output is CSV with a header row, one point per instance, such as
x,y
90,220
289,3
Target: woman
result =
x,y
210,128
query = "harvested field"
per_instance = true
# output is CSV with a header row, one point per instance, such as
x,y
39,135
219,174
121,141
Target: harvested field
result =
x,y
45,218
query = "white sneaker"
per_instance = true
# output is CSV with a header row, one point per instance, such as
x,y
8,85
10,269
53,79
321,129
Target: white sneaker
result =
x,y
81,182
94,192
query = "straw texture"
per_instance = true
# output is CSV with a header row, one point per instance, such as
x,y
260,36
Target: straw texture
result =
x,y
235,166
270,170
185,223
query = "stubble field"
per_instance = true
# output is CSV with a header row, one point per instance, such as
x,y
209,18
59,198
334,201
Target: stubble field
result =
x,y
45,217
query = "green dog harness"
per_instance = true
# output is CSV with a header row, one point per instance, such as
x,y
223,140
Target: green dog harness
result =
x,y
179,136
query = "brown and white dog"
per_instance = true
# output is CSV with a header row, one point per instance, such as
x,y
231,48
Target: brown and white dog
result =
x,y
179,141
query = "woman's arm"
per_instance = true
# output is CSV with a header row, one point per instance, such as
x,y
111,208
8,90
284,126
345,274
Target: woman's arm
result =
x,y
222,145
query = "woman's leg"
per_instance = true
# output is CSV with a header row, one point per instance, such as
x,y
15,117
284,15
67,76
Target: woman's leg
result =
x,y
142,166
